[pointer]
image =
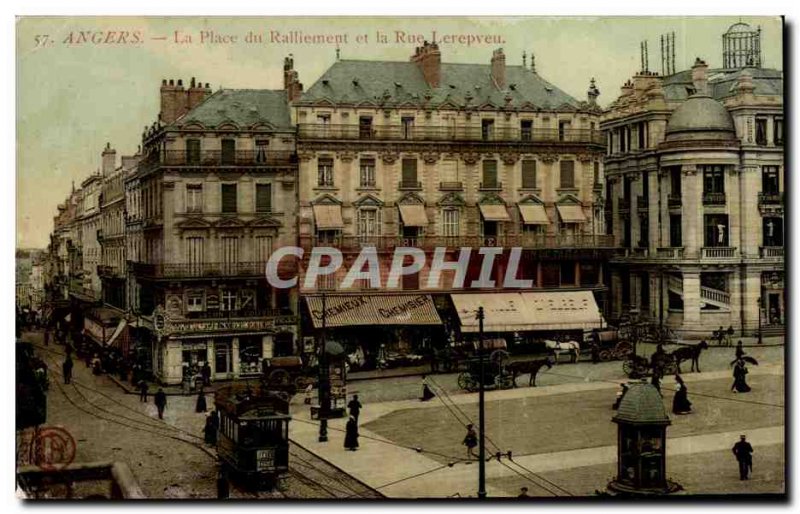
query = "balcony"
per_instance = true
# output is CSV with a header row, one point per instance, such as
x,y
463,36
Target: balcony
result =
x,y
251,158
451,186
771,252
713,198
409,185
491,186
718,252
201,270
429,243
670,252
770,198
674,200
310,131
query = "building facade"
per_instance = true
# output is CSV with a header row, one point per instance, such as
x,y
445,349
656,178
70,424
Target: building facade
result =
x,y
695,181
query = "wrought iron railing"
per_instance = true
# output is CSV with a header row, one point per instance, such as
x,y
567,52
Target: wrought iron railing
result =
x,y
451,186
770,198
222,158
713,198
200,270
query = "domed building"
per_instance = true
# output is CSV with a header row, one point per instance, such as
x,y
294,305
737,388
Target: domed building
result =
x,y
694,194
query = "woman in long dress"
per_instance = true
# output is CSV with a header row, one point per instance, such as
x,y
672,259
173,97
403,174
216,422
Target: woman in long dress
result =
x,y
351,435
200,406
427,394
739,373
680,402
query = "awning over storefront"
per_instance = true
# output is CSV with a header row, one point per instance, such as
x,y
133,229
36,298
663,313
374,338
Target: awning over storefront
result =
x,y
328,217
571,213
117,332
413,215
524,311
355,310
533,214
494,212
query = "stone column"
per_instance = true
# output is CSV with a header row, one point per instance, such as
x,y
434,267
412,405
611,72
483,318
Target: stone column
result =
x,y
732,206
692,215
751,227
235,368
691,300
653,212
211,351
735,290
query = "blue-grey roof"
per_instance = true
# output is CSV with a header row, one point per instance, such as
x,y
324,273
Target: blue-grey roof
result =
x,y
397,83
642,404
722,82
701,113
242,107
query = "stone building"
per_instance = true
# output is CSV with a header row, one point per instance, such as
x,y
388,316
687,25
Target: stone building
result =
x,y
695,181
212,197
429,154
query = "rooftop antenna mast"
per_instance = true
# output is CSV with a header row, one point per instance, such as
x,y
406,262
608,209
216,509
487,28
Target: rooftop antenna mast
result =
x,y
645,60
668,53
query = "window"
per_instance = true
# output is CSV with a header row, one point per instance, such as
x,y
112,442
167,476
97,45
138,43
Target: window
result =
x,y
409,170
761,131
327,237
596,174
229,198
324,119
675,234
194,255
192,151
263,197
773,231
564,130
408,126
642,135
451,222
526,130
229,250
194,198
770,182
487,130
716,233
367,174
365,127
368,222
621,135
529,174
228,151
713,178
228,300
567,273
263,246
194,300
567,175
675,181
490,174
261,150
777,131
644,231
325,172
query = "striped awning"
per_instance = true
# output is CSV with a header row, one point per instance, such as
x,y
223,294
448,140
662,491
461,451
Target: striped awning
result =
x,y
571,213
494,212
328,217
528,311
354,310
117,332
533,214
413,215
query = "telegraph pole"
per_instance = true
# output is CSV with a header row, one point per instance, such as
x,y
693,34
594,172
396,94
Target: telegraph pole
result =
x,y
481,413
324,380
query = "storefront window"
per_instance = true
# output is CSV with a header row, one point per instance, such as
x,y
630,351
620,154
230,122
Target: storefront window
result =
x,y
193,360
250,355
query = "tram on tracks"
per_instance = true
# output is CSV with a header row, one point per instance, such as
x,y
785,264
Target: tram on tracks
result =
x,y
253,435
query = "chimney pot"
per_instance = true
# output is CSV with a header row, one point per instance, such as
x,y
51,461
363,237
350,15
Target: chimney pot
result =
x,y
192,83
171,82
163,82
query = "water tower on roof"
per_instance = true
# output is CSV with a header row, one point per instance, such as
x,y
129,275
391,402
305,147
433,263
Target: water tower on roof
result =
x,y
741,47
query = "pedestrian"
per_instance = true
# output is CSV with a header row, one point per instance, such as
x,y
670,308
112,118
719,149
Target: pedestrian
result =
x,y
205,372
67,368
744,455
309,394
623,388
210,430
223,489
143,387
46,337
680,402
160,399
739,350
595,352
470,441
656,379
523,492
354,407
351,435
201,406
720,335
739,373
427,394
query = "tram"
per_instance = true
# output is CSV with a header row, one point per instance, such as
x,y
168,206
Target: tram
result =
x,y
253,436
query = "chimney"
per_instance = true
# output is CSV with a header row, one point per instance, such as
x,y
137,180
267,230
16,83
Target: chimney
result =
x,y
109,160
429,60
291,81
174,101
499,68
196,94
699,77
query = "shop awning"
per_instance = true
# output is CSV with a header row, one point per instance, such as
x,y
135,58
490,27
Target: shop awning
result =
x,y
117,332
414,215
571,213
529,311
533,214
355,310
494,212
328,217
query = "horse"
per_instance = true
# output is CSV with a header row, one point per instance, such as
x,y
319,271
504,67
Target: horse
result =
x,y
692,353
532,367
571,347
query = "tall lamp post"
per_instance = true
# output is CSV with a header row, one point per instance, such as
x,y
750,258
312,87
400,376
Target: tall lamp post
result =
x,y
481,412
760,307
324,380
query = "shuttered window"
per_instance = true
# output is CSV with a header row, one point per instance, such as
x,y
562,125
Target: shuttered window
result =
x,y
567,174
194,254
263,248
529,174
192,151
229,198
410,172
490,173
263,197
230,254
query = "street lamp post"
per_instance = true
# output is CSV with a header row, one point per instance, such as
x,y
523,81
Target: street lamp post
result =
x,y
481,412
324,380
760,307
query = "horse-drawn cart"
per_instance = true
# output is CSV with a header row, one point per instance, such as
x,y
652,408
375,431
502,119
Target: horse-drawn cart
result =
x,y
286,374
609,345
495,374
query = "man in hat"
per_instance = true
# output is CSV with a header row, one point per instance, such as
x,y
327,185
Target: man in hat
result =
x,y
744,455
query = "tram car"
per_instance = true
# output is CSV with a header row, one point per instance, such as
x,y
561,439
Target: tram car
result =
x,y
253,436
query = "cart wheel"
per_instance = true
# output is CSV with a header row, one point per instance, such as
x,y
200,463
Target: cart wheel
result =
x,y
503,382
606,355
465,381
499,357
623,348
280,377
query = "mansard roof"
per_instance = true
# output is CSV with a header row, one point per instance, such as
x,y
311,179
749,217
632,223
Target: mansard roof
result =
x,y
241,108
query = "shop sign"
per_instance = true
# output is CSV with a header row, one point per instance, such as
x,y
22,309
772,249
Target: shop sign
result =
x,y
220,325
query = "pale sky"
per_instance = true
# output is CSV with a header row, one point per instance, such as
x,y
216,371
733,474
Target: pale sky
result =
x,y
73,98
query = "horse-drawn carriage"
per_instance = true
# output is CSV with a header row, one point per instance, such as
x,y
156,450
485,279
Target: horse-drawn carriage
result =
x,y
609,345
457,356
495,374
287,374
